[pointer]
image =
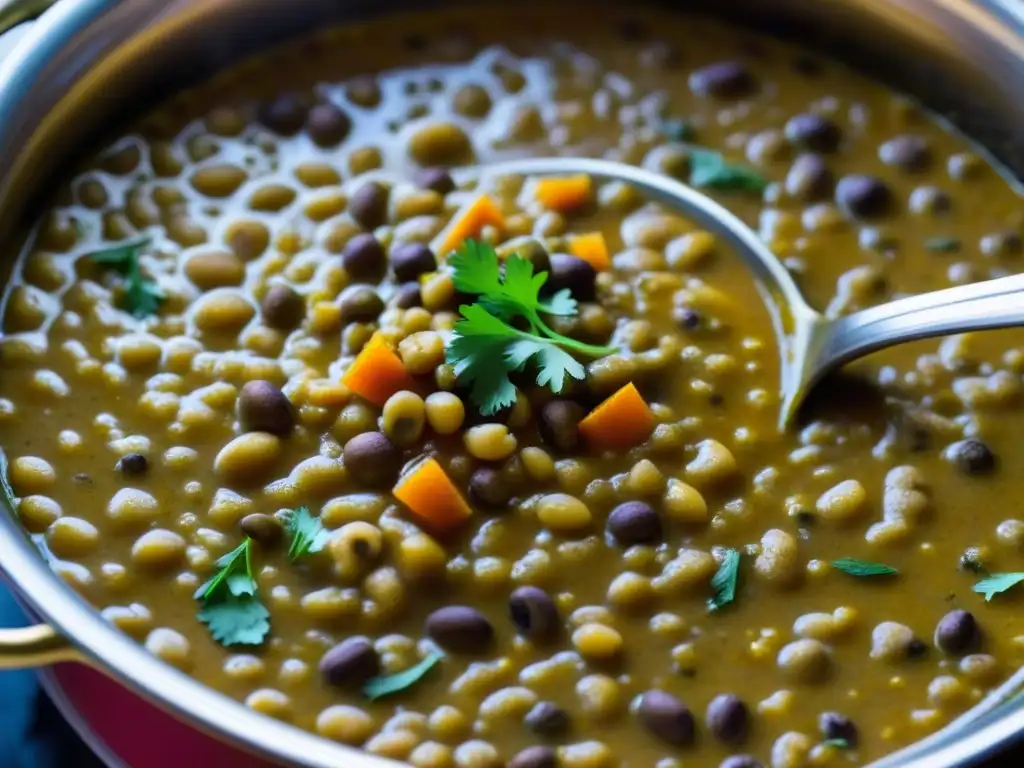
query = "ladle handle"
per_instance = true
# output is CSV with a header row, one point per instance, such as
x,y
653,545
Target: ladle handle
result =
x,y
979,306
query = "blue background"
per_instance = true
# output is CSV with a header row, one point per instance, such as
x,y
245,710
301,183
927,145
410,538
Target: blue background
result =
x,y
32,733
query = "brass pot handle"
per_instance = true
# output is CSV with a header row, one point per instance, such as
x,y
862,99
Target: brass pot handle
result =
x,y
36,646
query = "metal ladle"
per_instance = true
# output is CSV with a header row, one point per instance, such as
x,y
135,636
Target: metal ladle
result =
x,y
811,345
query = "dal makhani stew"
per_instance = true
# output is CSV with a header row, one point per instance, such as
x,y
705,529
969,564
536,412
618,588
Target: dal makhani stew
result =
x,y
485,472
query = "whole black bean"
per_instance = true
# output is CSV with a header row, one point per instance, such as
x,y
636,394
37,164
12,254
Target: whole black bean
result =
x,y
363,258
371,459
728,718
813,132
834,725
863,197
369,205
263,407
132,465
559,424
634,522
809,179
740,761
410,260
957,633
284,115
916,648
282,307
724,80
328,125
689,319
489,488
350,663
535,757
547,719
573,273
460,629
534,613
436,179
360,304
971,456
263,529
666,717
407,295
910,153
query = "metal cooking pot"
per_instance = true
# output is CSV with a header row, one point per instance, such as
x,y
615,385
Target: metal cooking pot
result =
x,y
84,63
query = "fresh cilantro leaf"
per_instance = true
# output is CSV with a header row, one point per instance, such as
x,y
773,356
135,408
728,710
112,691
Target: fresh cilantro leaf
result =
x,y
142,296
677,130
837,743
724,581
476,350
121,255
942,244
235,563
230,603
476,270
306,534
484,348
384,685
553,363
855,567
709,169
997,583
245,621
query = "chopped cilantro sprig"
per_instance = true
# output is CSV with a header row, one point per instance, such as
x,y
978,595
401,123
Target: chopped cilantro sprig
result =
x,y
306,534
231,607
142,296
485,348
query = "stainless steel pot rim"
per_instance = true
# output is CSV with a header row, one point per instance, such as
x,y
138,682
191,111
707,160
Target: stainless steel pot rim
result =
x,y
108,649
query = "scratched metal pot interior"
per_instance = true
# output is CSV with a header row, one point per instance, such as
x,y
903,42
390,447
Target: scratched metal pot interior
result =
x,y
364,457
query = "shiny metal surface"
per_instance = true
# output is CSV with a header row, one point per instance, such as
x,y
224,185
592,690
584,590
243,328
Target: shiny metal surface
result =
x,y
89,63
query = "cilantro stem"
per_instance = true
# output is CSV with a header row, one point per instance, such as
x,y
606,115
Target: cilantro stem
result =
x,y
582,347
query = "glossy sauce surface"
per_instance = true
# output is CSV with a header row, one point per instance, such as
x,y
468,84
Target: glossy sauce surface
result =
x,y
240,188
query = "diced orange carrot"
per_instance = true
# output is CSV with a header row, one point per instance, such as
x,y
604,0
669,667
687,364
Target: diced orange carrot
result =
x,y
564,194
621,421
377,373
468,222
430,494
592,248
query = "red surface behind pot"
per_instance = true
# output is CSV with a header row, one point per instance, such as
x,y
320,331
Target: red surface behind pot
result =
x,y
139,733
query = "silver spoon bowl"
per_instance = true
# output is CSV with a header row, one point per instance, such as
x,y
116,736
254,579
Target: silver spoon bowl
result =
x,y
810,344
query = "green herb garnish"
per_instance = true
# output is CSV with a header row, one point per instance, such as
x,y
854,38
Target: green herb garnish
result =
x,y
142,296
711,170
724,581
385,685
231,606
677,130
837,743
305,532
997,583
943,244
855,567
484,348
